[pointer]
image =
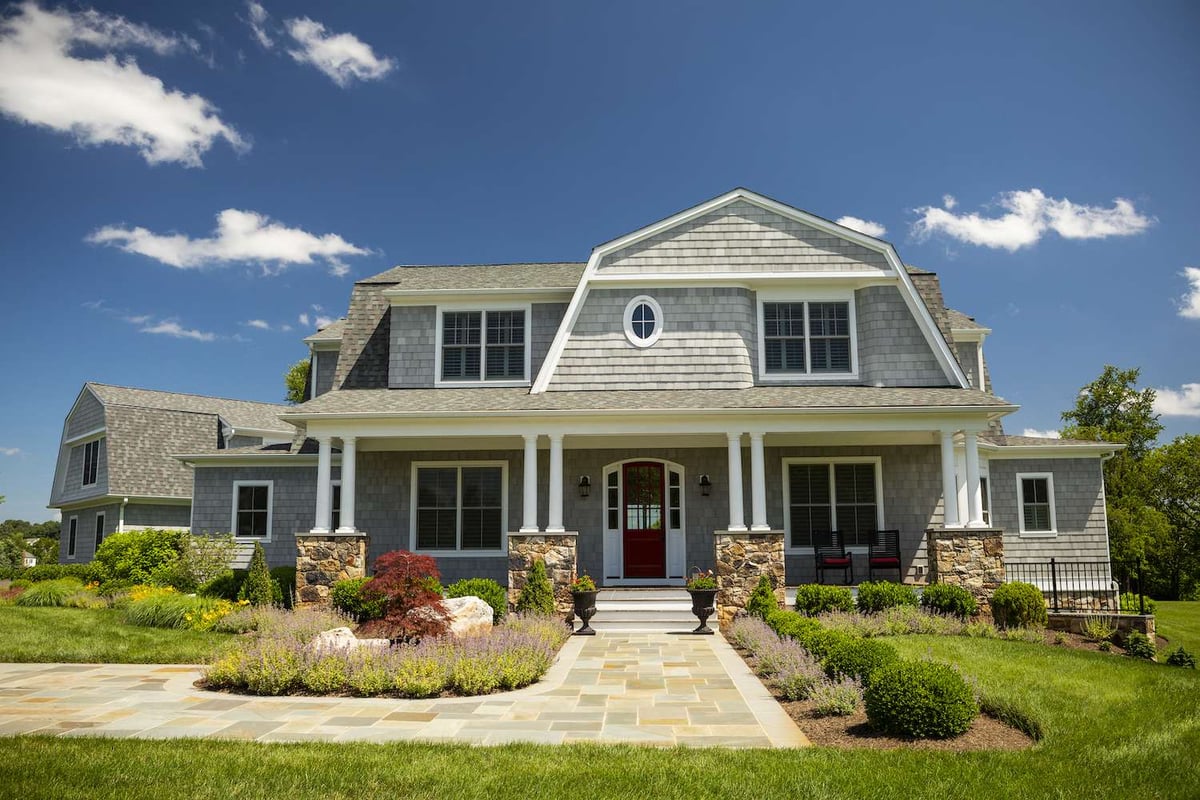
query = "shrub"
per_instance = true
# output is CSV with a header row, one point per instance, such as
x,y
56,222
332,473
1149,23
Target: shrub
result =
x,y
749,633
836,699
226,585
270,667
413,609
903,620
858,658
762,600
1018,605
49,593
347,596
814,598
1181,658
1137,644
537,594
258,589
285,581
945,598
1099,628
797,681
166,608
775,655
486,590
792,625
141,556
325,674
545,628
876,596
821,641
920,699
1131,605
420,672
201,558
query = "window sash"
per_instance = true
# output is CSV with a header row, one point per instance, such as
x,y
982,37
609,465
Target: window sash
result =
x,y
828,496
253,511
91,462
807,338
460,508
483,345
335,506
99,530
783,337
1035,505
72,527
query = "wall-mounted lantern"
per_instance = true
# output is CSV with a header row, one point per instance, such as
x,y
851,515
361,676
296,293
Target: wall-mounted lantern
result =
x,y
705,485
585,485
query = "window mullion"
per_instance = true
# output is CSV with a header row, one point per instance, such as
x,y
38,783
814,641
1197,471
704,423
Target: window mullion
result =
x,y
483,346
807,342
832,490
458,516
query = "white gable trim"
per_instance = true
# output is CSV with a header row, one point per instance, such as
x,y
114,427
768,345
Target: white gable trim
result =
x,y
916,306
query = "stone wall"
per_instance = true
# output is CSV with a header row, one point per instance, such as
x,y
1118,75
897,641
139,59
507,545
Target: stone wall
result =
x,y
556,550
1124,623
969,557
742,557
323,560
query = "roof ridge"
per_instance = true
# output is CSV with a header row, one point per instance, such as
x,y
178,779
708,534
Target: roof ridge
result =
x,y
185,394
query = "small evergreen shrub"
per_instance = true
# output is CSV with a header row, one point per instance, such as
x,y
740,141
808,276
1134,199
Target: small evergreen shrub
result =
x,y
1181,658
285,580
921,700
225,585
762,600
258,589
49,593
347,596
537,595
486,590
877,596
1018,605
1138,645
858,658
816,598
836,698
945,598
790,624
820,642
1131,605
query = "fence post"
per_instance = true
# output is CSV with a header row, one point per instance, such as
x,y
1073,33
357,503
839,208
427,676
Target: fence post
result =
x,y
1142,587
1054,585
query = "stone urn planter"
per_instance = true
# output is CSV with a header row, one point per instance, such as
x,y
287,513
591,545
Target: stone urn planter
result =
x,y
702,586
585,609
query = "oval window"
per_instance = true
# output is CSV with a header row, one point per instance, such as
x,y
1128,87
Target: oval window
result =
x,y
643,321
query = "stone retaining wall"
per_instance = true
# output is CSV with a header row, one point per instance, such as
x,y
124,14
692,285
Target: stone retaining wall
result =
x,y
557,550
324,559
1075,622
972,558
741,558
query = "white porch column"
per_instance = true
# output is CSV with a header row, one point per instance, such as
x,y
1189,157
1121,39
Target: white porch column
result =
x,y
949,484
737,512
349,459
758,484
323,510
974,496
529,510
555,523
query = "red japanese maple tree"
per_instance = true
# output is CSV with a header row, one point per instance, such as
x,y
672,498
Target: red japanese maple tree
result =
x,y
409,586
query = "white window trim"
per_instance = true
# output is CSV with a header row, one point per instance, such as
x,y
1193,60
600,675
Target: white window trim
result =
x,y
808,296
97,527
618,467
627,318
72,541
270,511
438,381
84,470
831,461
457,553
1053,532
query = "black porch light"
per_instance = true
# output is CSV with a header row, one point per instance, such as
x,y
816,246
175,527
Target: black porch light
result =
x,y
585,485
705,485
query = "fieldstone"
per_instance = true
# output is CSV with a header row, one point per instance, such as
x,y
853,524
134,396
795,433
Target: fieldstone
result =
x,y
341,639
741,558
469,616
322,560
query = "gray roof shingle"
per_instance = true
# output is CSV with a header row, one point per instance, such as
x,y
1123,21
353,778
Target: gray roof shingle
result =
x,y
960,321
330,333
1003,440
238,413
548,275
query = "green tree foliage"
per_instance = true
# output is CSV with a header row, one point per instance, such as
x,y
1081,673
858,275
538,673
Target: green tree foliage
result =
x,y
1111,409
18,536
537,595
1173,472
258,588
296,381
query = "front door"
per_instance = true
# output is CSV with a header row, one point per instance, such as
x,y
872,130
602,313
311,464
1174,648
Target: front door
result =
x,y
643,520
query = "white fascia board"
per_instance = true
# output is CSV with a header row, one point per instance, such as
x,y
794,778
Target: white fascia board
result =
x,y
326,345
254,459
426,297
116,499
1097,450
262,433
87,436
313,339
746,280
970,334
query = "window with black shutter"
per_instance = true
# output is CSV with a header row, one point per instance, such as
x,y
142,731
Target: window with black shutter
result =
x,y
460,508
837,496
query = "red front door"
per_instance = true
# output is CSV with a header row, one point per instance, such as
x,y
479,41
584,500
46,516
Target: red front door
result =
x,y
644,520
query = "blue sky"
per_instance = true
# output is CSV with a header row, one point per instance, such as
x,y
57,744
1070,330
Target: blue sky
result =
x,y
173,173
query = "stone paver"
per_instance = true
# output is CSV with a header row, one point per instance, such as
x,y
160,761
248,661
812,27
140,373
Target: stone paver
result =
x,y
645,688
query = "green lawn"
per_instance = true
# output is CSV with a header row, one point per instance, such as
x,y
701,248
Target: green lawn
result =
x,y
96,636
1178,622
1113,728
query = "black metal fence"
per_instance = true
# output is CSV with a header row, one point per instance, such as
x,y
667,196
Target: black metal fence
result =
x,y
1072,585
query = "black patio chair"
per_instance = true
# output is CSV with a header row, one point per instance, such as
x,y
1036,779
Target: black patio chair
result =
x,y
831,555
883,553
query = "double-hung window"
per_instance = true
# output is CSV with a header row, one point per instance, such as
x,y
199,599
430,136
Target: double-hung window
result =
x,y
484,345
91,462
459,507
827,496
72,530
801,338
252,509
1035,495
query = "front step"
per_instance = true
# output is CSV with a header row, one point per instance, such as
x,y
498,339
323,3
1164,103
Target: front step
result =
x,y
656,610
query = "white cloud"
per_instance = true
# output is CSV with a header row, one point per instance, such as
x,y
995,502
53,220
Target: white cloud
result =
x,y
303,318
10,451
285,328
261,324
1030,216
322,322
152,323
1184,402
45,81
862,226
1041,434
170,327
948,201
240,236
1189,304
317,307
342,56
258,24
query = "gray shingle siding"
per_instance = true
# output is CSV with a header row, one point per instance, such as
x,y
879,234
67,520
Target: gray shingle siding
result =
x,y
742,237
85,531
326,367
73,488
87,416
892,350
1078,505
244,441
547,317
968,357
138,515
413,338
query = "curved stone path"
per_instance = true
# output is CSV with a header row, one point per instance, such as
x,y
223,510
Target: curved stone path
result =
x,y
649,688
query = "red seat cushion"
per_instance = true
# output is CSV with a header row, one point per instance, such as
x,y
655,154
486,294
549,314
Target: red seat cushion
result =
x,y
885,561
835,562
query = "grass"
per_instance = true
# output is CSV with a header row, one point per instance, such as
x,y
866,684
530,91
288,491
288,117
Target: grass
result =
x,y
1178,621
1113,728
97,636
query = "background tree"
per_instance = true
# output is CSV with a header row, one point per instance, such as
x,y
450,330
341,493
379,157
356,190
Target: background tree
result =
x,y
38,538
1173,473
296,381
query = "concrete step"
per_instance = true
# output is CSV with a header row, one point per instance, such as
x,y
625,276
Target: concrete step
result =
x,y
644,610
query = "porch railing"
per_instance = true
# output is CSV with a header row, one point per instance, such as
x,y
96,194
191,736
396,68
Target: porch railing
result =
x,y
1077,585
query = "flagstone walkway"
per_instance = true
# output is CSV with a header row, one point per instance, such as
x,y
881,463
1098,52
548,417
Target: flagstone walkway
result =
x,y
653,689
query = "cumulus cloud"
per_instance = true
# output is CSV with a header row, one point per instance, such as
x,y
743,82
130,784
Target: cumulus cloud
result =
x,y
1183,402
322,322
240,237
1189,304
171,327
1041,434
1030,215
258,23
45,80
10,451
303,319
862,226
261,324
343,57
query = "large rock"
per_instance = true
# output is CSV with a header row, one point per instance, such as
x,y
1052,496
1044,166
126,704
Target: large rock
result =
x,y
340,639
469,616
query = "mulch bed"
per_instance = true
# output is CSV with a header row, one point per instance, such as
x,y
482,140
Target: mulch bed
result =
x,y
1075,641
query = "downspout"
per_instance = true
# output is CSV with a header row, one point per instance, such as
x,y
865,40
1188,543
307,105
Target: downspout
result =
x,y
121,516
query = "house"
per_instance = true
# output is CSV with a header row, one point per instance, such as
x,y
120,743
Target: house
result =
x,y
116,468
741,368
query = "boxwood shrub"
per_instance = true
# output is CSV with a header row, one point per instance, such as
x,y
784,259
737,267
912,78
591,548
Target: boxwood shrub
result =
x,y
921,700
945,598
347,596
789,624
858,658
762,600
1018,605
817,598
1137,644
877,596
820,642
486,590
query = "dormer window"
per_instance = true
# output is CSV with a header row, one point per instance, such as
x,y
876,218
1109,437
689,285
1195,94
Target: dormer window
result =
x,y
643,321
483,345
810,338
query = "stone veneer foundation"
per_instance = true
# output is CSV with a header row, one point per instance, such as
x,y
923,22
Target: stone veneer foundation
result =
x,y
557,550
323,559
742,557
969,557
